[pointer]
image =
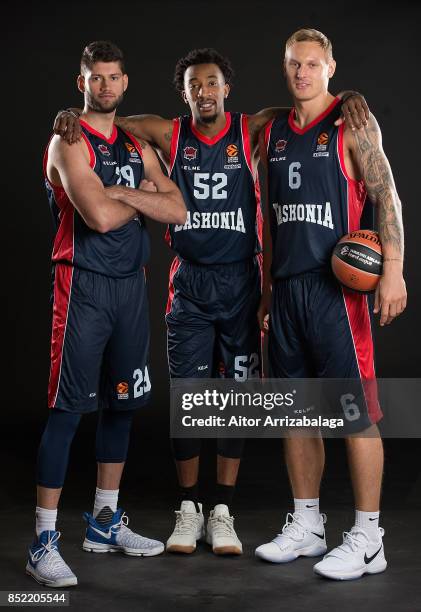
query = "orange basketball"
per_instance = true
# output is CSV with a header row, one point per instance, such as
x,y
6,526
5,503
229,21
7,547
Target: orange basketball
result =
x,y
357,260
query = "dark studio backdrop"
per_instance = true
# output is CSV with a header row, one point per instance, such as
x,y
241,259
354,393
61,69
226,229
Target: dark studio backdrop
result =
x,y
376,47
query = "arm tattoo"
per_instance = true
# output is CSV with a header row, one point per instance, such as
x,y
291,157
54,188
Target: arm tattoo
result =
x,y
168,136
380,186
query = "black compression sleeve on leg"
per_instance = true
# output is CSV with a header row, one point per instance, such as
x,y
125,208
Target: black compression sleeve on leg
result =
x,y
54,449
232,448
113,435
185,448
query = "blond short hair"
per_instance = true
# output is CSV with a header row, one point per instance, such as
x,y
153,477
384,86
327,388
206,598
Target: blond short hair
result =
x,y
309,34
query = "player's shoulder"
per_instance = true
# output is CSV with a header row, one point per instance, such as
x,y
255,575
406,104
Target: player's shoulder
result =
x,y
59,149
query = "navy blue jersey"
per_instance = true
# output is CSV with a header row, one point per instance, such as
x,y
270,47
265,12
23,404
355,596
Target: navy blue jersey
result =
x,y
312,200
119,253
221,193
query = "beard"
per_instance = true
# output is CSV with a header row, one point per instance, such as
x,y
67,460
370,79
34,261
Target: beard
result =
x,y
209,120
96,105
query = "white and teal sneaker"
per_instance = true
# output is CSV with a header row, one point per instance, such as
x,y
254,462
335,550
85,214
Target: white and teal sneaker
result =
x,y
116,536
45,563
356,556
298,539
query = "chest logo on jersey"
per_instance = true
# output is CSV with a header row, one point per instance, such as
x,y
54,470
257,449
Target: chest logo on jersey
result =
x,y
232,157
104,150
190,153
134,155
280,145
322,144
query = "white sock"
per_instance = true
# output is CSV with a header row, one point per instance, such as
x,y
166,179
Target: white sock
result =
x,y
369,521
309,509
105,499
45,520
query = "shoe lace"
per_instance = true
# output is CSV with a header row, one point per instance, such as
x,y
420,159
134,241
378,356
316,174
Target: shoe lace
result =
x,y
353,541
185,522
223,525
121,524
47,547
293,528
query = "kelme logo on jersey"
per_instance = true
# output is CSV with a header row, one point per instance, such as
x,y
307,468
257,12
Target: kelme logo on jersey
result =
x,y
280,145
123,390
104,150
190,153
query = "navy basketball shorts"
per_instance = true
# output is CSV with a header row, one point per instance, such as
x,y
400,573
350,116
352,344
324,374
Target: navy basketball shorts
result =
x,y
212,320
319,329
100,342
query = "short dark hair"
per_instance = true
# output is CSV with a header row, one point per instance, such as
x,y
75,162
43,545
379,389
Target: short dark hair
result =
x,y
202,56
101,51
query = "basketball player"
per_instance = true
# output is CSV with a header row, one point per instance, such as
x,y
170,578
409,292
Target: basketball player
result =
x,y
214,288
100,337
317,328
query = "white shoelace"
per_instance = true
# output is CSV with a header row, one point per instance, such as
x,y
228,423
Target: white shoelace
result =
x,y
46,548
293,528
185,522
223,525
352,540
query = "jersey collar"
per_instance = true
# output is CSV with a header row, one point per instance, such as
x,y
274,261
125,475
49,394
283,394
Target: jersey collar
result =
x,y
217,137
111,140
294,127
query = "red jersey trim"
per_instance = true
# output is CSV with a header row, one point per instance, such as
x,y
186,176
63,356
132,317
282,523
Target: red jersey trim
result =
x,y
315,121
174,142
268,129
218,136
110,140
173,270
341,154
62,293
245,137
92,156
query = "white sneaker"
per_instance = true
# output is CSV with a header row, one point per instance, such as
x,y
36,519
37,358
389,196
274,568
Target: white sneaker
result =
x,y
220,532
357,555
45,563
189,527
298,538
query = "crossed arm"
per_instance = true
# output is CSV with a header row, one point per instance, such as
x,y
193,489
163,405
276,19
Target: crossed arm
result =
x,y
106,209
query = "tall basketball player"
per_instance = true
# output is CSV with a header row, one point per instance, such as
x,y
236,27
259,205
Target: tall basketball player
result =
x,y
100,336
317,328
215,277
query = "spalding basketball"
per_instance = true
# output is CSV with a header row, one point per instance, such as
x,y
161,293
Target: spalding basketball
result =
x,y
357,260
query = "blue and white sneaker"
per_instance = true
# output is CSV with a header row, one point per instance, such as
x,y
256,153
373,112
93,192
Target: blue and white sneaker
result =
x,y
116,536
45,563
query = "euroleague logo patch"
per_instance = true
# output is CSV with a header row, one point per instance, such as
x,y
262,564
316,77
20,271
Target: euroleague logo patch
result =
x,y
104,150
323,138
280,145
322,143
123,390
130,147
232,150
232,156
190,153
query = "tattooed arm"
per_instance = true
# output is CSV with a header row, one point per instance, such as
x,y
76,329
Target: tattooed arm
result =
x,y
365,158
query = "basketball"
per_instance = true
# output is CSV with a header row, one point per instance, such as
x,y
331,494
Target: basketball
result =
x,y
357,260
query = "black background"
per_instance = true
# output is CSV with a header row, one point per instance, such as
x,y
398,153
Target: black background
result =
x,y
376,47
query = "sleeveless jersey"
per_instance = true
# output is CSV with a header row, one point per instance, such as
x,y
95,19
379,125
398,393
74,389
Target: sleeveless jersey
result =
x,y
221,193
119,253
312,200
